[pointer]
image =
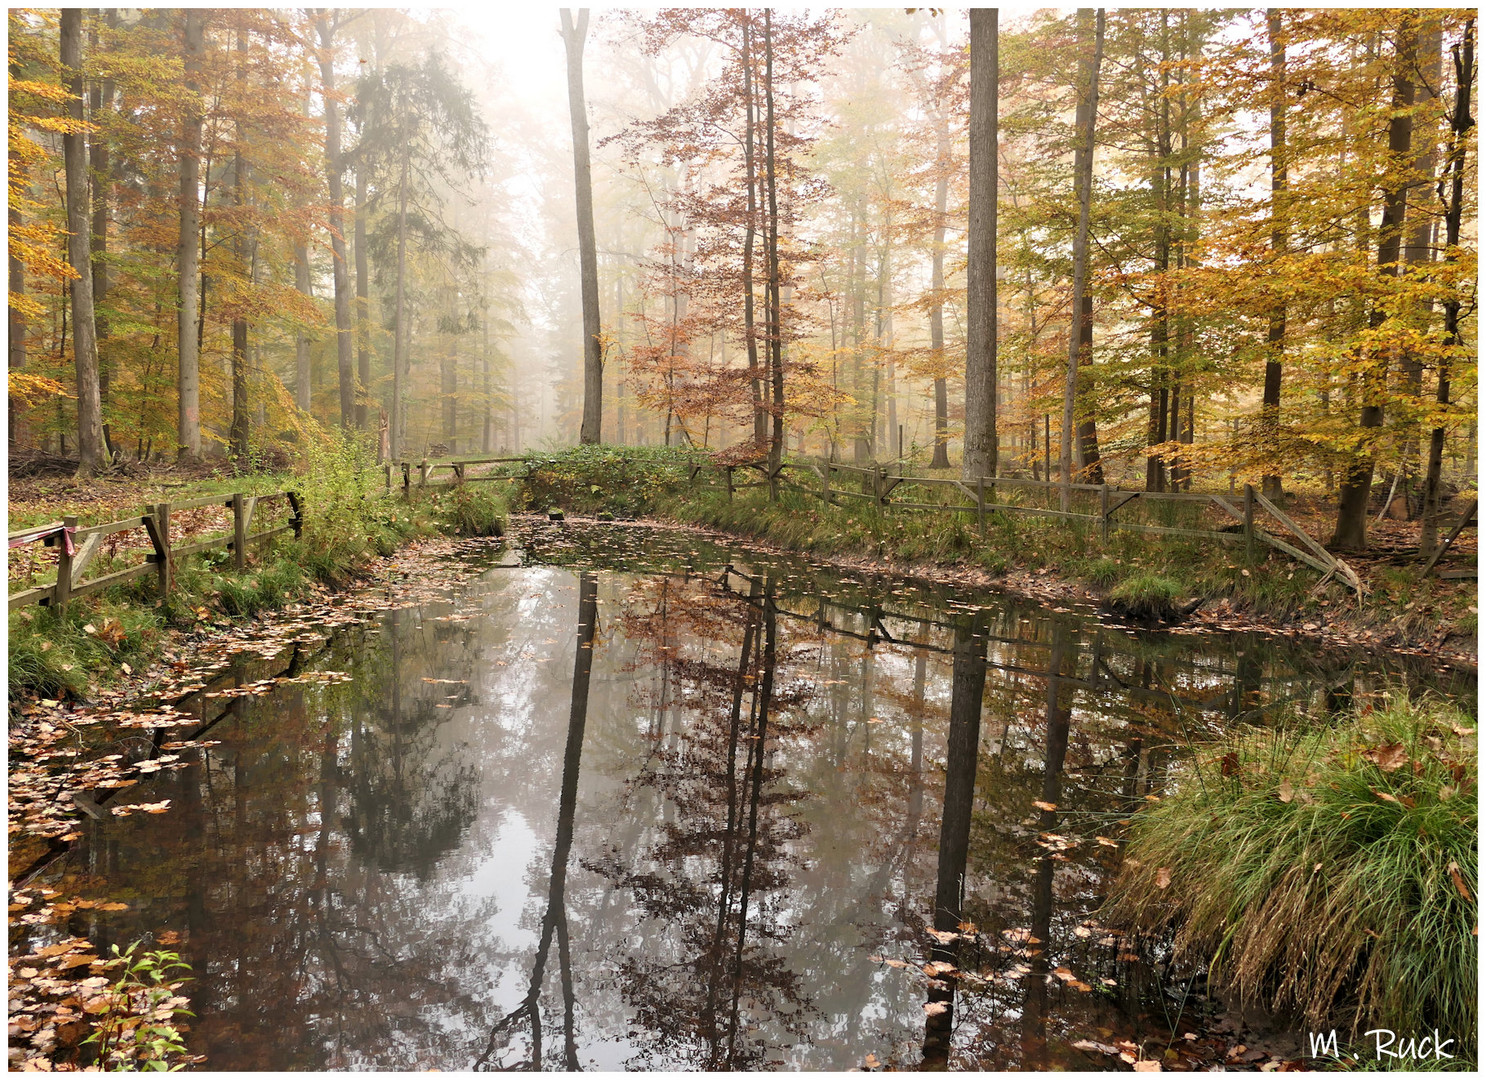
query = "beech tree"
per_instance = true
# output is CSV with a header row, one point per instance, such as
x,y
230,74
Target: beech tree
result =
x,y
79,252
980,348
588,265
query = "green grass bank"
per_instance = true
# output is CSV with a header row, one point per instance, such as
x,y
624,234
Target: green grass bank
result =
x,y
1325,869
349,523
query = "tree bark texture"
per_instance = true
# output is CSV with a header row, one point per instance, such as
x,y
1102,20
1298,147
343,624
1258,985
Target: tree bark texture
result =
x,y
588,263
340,271
188,259
79,253
1085,120
980,271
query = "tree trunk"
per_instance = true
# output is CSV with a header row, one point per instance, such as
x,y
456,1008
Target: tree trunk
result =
x,y
1460,130
775,330
363,304
100,166
399,304
237,434
1269,412
1351,515
936,284
340,272
1083,180
593,357
980,270
79,253
1087,440
301,338
188,259
750,228
1155,468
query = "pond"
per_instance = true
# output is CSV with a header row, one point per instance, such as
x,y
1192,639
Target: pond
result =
x,y
634,800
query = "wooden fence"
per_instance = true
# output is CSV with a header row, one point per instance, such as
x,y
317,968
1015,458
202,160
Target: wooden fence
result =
x,y
878,484
77,546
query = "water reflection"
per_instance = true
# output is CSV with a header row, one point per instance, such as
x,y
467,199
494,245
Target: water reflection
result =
x,y
714,793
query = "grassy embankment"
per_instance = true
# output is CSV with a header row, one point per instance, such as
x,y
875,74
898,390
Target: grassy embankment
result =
x,y
1148,574
348,523
1325,869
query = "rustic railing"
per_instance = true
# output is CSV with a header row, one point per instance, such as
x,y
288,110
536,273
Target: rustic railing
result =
x,y
78,546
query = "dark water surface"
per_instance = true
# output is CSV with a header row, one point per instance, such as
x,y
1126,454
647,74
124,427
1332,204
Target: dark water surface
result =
x,y
620,808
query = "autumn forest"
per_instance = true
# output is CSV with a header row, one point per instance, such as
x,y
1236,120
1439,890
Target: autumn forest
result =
x,y
1152,247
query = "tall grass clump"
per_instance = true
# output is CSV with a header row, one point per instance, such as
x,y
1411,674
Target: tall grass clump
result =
x,y
1323,868
472,510
1146,596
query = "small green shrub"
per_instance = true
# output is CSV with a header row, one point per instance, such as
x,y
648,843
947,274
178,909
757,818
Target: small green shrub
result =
x,y
138,1030
1325,867
472,510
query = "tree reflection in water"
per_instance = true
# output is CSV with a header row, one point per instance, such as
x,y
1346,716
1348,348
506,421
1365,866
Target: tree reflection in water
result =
x,y
722,857
555,920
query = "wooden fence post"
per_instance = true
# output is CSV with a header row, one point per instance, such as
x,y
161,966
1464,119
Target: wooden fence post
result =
x,y
826,491
729,470
157,524
877,488
63,592
1104,512
239,533
423,473
980,504
387,472
298,519
1248,522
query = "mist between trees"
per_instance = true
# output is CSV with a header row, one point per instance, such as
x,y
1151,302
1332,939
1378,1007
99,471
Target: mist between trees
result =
x,y
1161,248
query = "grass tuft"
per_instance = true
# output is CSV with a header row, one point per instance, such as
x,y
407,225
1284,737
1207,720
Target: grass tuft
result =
x,y
1324,868
1146,596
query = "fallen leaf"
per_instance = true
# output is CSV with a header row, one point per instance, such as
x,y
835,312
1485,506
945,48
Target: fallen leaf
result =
x,y
1041,805
1163,877
1149,1066
1286,791
1454,869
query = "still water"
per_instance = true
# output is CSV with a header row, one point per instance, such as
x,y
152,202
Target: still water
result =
x,y
653,804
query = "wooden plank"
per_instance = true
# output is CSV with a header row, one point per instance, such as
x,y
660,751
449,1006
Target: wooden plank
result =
x,y
1301,534
267,533
86,551
30,596
951,508
1465,574
113,579
1294,552
1037,511
52,525
204,545
1130,497
1225,505
108,528
1196,534
1470,512
196,504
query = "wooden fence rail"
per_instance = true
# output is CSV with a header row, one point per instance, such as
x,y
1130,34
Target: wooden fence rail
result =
x,y
877,485
77,546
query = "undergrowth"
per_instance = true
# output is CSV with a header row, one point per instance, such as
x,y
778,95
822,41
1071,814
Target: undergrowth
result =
x,y
1327,868
349,522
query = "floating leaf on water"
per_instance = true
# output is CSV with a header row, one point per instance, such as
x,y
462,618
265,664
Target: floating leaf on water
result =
x,y
934,1008
1041,805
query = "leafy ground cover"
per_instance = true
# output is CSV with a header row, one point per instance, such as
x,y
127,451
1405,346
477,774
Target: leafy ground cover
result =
x,y
1326,868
